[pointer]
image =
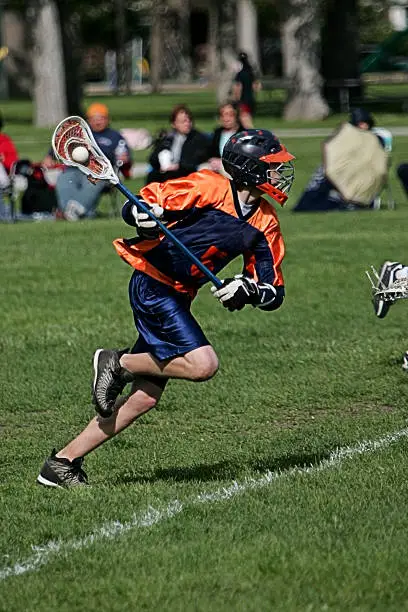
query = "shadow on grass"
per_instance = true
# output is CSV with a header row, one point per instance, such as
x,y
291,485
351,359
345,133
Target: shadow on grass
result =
x,y
228,470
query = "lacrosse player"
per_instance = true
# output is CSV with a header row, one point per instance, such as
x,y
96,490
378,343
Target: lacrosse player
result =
x,y
217,219
389,273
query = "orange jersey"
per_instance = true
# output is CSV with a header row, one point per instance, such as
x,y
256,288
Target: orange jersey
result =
x,y
204,212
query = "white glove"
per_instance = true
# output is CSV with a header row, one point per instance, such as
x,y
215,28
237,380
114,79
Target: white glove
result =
x,y
146,226
165,160
236,292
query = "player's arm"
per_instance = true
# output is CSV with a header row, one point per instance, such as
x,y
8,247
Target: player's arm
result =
x,y
261,283
169,201
147,227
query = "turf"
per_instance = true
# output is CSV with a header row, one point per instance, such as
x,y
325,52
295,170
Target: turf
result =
x,y
320,373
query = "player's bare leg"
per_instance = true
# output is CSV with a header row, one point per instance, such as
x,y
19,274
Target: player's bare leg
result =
x,y
143,397
197,365
64,469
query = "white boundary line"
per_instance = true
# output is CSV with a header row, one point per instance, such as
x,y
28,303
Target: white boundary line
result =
x,y
45,553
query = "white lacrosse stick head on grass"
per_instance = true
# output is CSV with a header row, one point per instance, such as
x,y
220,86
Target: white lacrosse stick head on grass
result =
x,y
73,132
398,290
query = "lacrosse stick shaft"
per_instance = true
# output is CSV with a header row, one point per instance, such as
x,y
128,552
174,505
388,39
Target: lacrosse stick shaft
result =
x,y
169,234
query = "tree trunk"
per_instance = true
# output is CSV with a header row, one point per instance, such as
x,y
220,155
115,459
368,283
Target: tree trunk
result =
x,y
227,52
213,44
73,56
18,63
340,44
184,13
123,54
48,66
247,31
301,60
155,46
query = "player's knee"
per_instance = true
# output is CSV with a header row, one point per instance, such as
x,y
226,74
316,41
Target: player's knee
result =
x,y
205,369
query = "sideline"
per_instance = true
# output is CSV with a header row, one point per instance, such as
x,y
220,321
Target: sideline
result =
x,y
44,553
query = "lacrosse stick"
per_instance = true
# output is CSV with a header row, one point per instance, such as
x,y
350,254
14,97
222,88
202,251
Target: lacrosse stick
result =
x,y
74,132
398,290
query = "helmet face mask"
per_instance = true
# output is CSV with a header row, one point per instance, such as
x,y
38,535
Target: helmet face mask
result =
x,y
256,158
280,177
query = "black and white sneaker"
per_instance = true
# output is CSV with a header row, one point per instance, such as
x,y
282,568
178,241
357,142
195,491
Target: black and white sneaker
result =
x,y
405,362
109,380
62,473
386,278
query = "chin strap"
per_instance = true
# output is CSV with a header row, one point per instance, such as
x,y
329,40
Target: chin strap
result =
x,y
275,193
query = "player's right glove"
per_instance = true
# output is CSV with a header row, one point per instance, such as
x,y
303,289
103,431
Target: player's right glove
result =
x,y
147,227
236,292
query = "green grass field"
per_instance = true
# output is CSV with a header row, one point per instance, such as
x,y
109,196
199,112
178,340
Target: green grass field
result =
x,y
230,496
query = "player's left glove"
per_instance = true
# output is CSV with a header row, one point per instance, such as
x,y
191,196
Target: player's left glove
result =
x,y
147,227
236,292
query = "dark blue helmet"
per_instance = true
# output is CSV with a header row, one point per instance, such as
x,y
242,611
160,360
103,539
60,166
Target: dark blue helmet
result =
x,y
256,158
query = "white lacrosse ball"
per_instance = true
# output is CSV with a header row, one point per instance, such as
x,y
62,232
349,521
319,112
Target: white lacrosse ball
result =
x,y
80,154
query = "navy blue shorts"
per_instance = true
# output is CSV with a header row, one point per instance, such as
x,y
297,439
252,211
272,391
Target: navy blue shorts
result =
x,y
163,319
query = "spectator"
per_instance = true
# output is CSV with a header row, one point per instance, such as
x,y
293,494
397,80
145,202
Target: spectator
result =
x,y
38,200
8,156
243,90
179,152
230,125
320,194
361,118
77,196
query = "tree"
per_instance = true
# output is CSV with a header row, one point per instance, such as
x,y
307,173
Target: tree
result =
x,y
48,65
373,20
247,30
301,60
226,47
341,49
72,49
156,13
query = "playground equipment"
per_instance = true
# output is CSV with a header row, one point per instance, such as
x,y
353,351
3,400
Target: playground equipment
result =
x,y
388,56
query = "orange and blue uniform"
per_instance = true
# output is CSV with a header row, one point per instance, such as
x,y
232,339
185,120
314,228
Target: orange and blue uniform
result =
x,y
204,212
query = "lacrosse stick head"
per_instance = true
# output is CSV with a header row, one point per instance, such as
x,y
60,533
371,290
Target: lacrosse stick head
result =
x,y
73,132
398,290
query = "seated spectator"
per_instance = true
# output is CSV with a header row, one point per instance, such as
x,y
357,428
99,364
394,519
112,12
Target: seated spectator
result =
x,y
229,125
179,152
38,199
78,197
8,156
362,119
320,193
